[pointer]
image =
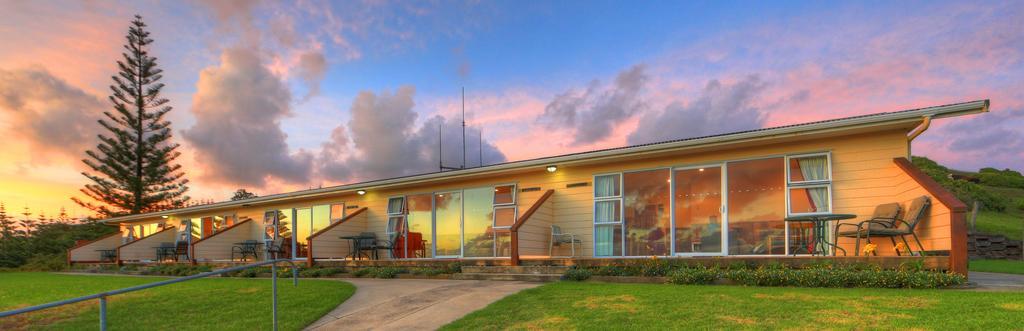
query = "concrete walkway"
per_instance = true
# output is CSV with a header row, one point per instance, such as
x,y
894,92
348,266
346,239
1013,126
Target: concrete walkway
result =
x,y
413,304
990,281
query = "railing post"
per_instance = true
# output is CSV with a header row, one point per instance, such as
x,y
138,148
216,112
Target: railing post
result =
x,y
103,313
273,282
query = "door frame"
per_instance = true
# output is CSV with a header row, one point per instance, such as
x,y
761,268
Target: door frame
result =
x,y
723,209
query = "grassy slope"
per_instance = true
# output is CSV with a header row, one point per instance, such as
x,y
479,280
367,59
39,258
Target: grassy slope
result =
x,y
217,303
1003,266
1009,223
571,305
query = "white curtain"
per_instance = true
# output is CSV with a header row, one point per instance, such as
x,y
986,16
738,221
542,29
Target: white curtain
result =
x,y
395,205
604,237
606,186
813,169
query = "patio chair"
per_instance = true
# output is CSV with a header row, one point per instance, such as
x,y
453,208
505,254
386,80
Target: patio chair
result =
x,y
248,248
558,238
901,227
276,248
371,244
181,249
882,218
164,251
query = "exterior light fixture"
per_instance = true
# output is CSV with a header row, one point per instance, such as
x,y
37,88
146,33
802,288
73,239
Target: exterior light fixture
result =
x,y
165,216
552,168
361,192
701,169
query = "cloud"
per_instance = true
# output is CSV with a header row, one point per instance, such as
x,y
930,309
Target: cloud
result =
x,y
312,68
718,109
382,141
593,114
48,113
237,136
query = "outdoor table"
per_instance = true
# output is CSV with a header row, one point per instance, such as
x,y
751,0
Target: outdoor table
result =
x,y
250,247
355,244
107,254
819,231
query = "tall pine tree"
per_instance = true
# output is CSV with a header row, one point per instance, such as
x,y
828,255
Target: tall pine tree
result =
x,y
134,165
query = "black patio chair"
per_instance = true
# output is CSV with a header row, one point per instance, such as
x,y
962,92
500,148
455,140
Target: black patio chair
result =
x,y
180,250
883,217
165,251
901,227
276,248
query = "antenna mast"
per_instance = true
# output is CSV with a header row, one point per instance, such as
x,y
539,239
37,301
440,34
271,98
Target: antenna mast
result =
x,y
463,127
480,144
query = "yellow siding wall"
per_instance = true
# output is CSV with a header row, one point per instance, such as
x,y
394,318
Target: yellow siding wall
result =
x,y
328,245
535,234
88,251
863,171
143,249
218,247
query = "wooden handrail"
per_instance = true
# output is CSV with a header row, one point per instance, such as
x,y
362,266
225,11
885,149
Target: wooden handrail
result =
x,y
957,224
514,231
309,240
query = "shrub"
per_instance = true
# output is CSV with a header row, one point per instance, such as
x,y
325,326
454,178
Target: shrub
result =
x,y
427,271
378,272
1020,204
319,272
966,191
694,276
576,274
48,262
362,272
177,269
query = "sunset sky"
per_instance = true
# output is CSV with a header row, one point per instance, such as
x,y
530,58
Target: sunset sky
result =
x,y
276,96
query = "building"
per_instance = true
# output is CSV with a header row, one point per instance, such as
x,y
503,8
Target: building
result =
x,y
715,197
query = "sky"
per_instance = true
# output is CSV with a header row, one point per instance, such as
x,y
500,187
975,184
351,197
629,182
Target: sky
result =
x,y
276,96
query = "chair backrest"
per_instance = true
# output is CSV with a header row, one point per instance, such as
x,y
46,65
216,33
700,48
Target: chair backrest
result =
x,y
889,211
368,241
556,230
916,211
181,248
251,242
166,245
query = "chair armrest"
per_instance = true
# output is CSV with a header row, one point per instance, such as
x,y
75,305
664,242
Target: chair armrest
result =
x,y
886,224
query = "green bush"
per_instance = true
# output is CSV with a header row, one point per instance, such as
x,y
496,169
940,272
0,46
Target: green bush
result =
x,y
378,272
319,272
1001,178
966,191
177,269
1020,204
428,271
576,274
694,276
47,262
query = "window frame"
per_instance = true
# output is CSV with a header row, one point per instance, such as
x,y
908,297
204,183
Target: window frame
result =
x,y
808,184
508,205
595,224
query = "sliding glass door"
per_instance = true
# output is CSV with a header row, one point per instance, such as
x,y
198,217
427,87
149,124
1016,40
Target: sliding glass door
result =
x,y
698,211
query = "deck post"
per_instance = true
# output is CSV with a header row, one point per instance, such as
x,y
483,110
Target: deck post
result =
x,y
514,241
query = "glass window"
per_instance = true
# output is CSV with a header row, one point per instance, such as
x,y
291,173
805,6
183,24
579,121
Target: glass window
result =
x,y
419,242
396,206
606,186
448,220
477,223
803,200
303,219
321,217
607,240
337,212
812,168
646,205
504,217
505,194
197,228
698,210
757,200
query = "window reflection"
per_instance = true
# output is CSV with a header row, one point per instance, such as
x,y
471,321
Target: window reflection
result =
x,y
448,213
698,201
646,203
478,217
757,200
420,230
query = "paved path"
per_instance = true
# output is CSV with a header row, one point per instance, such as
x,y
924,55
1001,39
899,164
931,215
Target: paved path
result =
x,y
413,304
990,281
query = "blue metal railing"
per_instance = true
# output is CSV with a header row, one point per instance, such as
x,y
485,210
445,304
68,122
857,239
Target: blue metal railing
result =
x,y
103,296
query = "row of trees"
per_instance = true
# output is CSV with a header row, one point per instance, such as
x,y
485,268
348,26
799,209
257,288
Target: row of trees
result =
x,y
41,243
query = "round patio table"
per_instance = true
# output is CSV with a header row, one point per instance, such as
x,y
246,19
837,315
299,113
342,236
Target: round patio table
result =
x,y
355,240
819,231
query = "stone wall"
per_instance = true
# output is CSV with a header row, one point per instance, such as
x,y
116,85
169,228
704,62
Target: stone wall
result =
x,y
987,246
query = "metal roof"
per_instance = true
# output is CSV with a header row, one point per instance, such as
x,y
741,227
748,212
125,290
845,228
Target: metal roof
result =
x,y
950,110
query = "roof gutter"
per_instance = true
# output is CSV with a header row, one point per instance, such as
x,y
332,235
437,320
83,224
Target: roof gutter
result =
x,y
925,123
952,110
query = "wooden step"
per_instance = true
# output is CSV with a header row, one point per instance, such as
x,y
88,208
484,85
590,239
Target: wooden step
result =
x,y
532,270
508,277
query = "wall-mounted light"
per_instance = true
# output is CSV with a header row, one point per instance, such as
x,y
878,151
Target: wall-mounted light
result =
x,y
361,192
552,168
165,216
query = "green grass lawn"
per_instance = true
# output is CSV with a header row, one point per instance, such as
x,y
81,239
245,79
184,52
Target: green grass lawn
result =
x,y
589,305
1003,266
204,304
1010,222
